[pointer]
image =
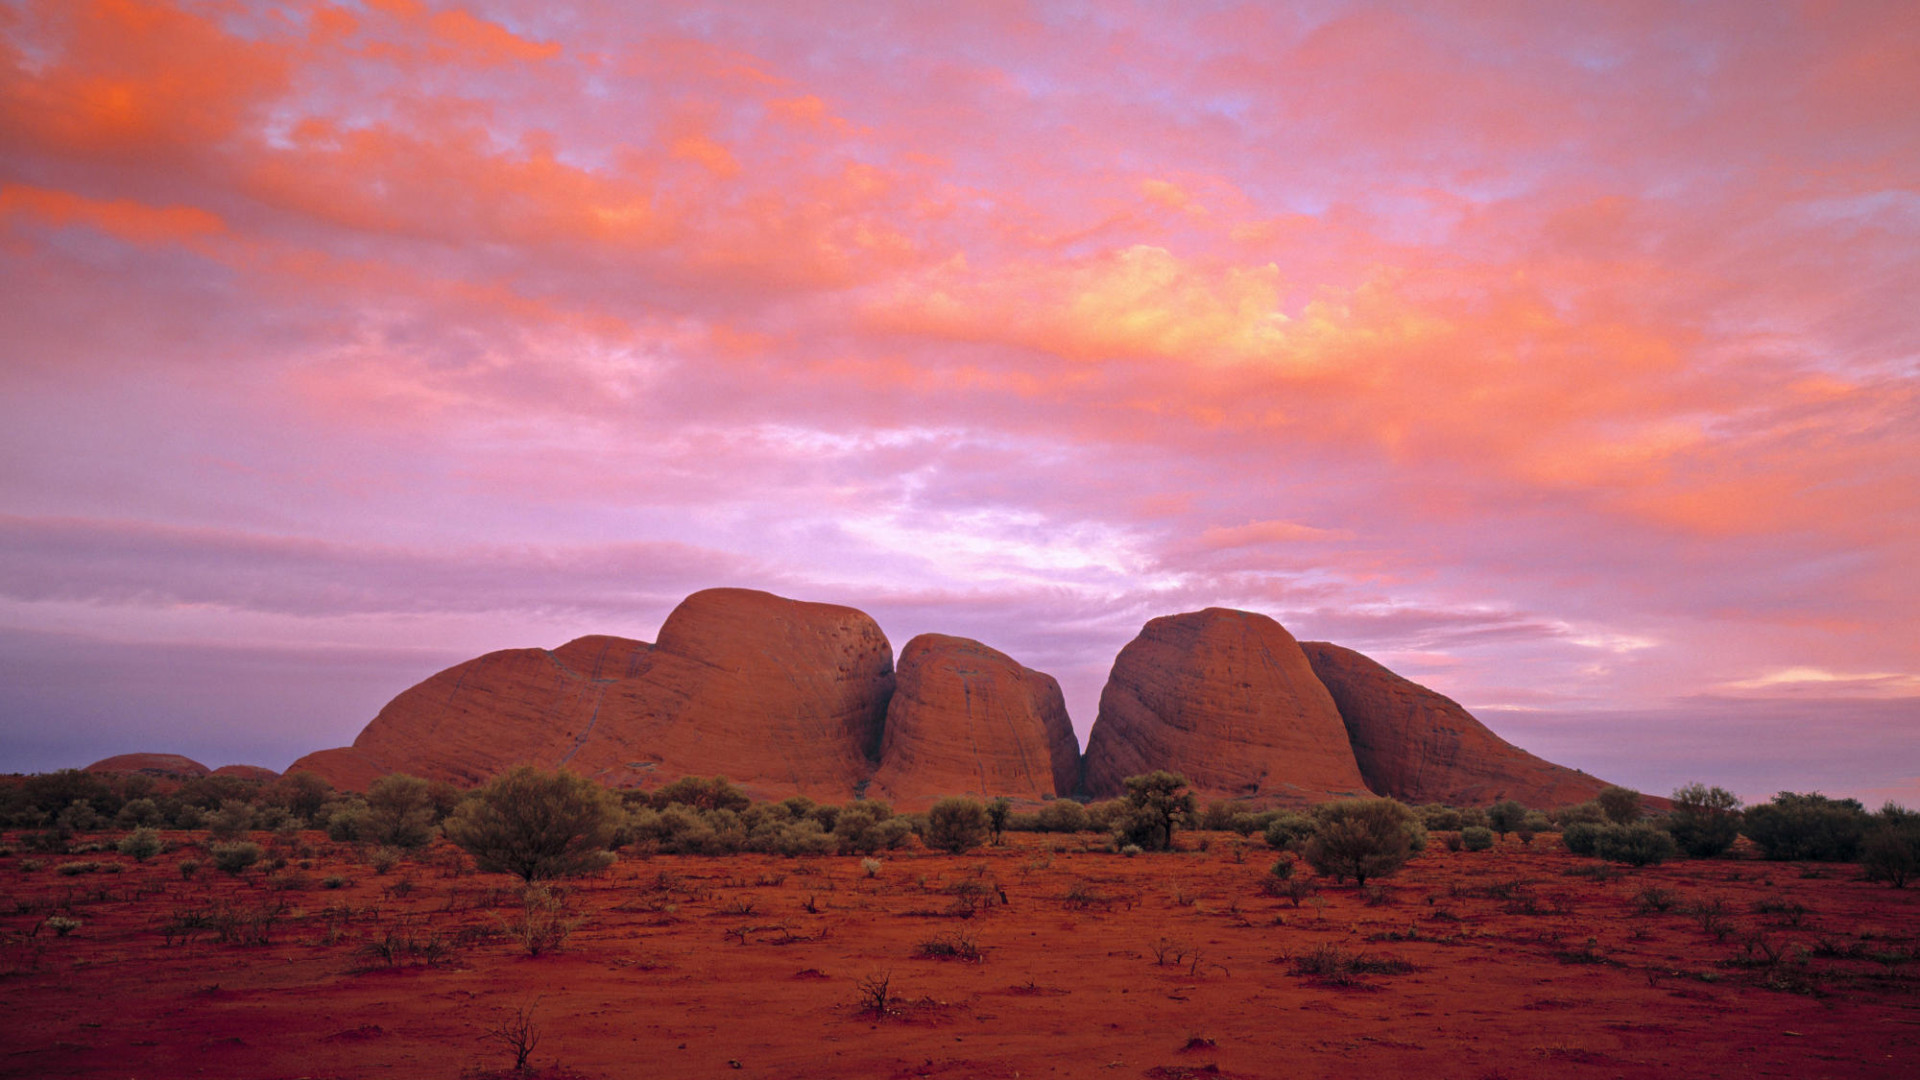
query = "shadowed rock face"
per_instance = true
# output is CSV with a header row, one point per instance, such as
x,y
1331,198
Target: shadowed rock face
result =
x,y
150,764
1227,699
1419,746
248,772
968,720
783,696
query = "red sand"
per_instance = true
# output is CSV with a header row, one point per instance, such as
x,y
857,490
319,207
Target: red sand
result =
x,y
684,966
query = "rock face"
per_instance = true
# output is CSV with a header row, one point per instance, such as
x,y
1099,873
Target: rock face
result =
x,y
968,720
150,764
1228,699
784,697
1419,746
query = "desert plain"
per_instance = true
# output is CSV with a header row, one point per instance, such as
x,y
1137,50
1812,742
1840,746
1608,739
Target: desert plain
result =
x,y
1046,955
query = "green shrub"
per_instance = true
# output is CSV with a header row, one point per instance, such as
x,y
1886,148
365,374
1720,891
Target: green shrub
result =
x,y
1505,816
1286,832
1362,838
1158,803
1438,818
1586,812
188,868
1640,844
956,824
999,809
1476,838
400,812
234,858
232,819
1580,836
1704,821
1807,827
1891,850
869,825
1620,804
139,813
142,844
1062,816
538,825
702,793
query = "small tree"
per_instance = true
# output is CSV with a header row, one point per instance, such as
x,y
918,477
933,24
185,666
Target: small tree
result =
x,y
999,809
1505,816
957,824
1620,804
1809,826
1704,821
1361,838
1891,850
1157,804
400,811
538,825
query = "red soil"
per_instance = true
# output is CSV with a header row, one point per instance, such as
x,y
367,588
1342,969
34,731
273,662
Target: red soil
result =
x,y
1095,965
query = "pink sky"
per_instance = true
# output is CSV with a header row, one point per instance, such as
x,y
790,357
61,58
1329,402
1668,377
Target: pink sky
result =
x,y
1564,358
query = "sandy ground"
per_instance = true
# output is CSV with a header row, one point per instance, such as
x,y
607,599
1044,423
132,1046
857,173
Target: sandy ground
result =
x,y
1497,964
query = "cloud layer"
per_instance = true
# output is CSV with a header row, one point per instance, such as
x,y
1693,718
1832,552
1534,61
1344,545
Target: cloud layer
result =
x,y
1563,358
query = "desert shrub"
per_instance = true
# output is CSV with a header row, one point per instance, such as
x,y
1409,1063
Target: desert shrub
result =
x,y
62,925
999,809
544,924
1891,850
702,793
958,945
804,837
233,818
956,824
1102,815
538,825
868,825
1704,821
1587,812
400,811
1807,827
1253,822
1218,815
1062,816
383,860
234,858
1477,838
346,820
139,813
1535,822
1505,816
870,867
1361,838
1452,841
142,844
1580,837
1620,804
1158,804
84,866
301,794
188,868
1286,832
1640,844
1438,818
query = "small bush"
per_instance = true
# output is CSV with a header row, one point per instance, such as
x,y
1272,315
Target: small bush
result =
x,y
400,811
234,858
62,925
1505,816
188,868
1639,844
955,946
1704,821
538,825
1891,852
1476,838
142,844
1580,836
383,860
1062,816
1620,804
956,825
870,867
1362,838
234,818
1158,804
1287,832
1807,827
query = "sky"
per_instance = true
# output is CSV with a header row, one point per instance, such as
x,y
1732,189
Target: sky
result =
x,y
1565,358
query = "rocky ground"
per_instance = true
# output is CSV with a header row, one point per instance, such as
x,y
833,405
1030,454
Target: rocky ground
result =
x,y
1045,957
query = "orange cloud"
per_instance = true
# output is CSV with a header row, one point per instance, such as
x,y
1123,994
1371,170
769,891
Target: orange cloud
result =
x,y
123,218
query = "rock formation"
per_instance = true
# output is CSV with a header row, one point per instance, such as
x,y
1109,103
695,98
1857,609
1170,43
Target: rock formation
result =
x,y
783,696
968,720
1419,746
248,772
150,764
1226,698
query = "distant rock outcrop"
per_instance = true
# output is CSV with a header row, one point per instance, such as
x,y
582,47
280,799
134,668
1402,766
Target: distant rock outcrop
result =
x,y
248,772
783,696
150,765
969,720
1419,746
1226,698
